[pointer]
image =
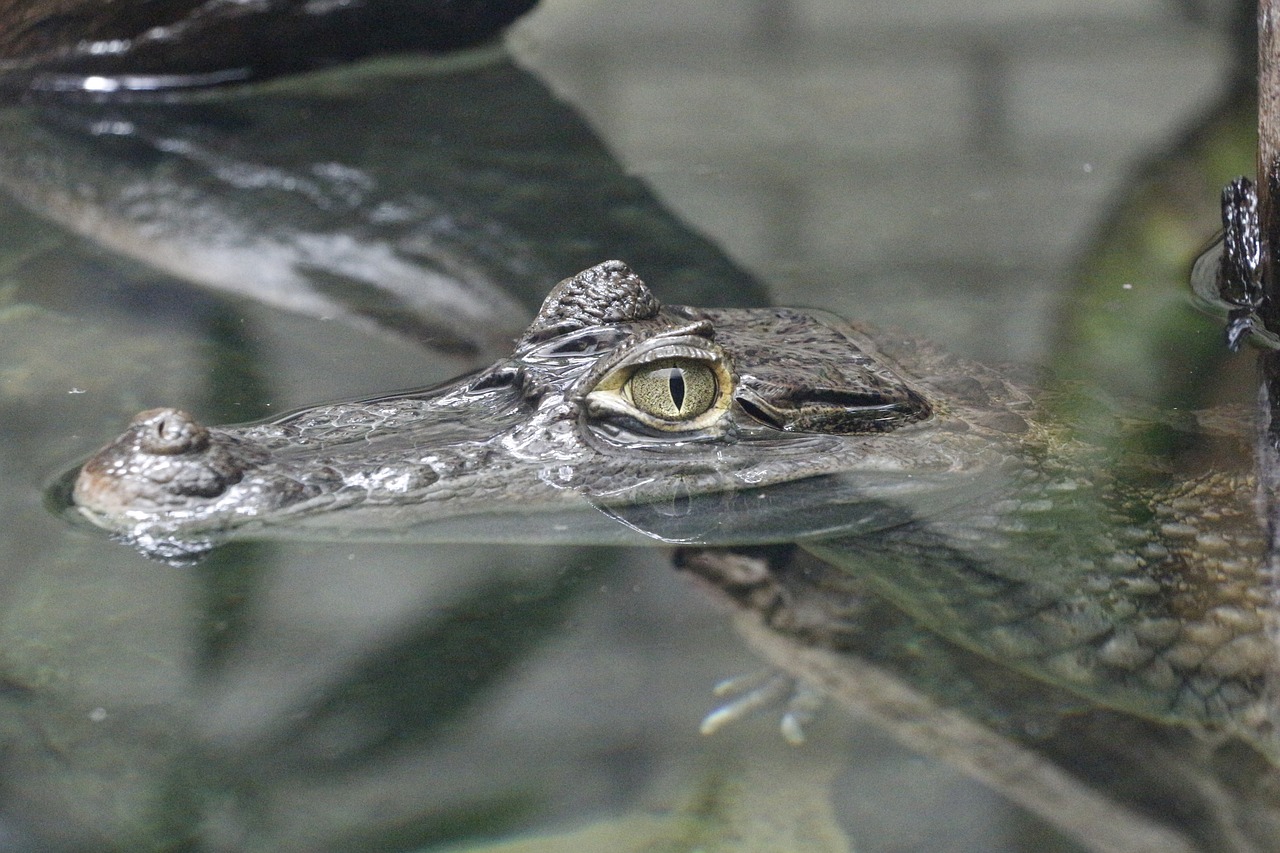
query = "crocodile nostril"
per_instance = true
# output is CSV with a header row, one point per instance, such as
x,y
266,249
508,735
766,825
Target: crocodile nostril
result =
x,y
169,432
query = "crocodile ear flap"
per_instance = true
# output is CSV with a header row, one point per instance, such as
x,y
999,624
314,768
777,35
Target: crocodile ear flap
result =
x,y
822,376
875,407
604,294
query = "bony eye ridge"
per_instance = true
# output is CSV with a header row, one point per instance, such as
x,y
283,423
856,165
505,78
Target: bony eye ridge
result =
x,y
674,388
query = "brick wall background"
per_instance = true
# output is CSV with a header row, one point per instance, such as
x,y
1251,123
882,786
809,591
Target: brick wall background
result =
x,y
890,159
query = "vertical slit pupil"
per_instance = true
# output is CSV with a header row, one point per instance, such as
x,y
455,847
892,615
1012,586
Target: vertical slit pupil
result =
x,y
675,377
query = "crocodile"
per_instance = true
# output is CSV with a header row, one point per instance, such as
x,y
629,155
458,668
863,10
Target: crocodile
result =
x,y
610,401
979,509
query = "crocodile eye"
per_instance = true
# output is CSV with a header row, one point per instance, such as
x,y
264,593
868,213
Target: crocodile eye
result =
x,y
676,383
674,389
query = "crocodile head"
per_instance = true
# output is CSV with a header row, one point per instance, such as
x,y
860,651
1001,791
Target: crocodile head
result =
x,y
690,424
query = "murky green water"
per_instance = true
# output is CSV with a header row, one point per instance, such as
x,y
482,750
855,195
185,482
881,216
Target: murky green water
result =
x,y
1014,182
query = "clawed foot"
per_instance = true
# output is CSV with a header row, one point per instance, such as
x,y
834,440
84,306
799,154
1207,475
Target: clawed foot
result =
x,y
754,692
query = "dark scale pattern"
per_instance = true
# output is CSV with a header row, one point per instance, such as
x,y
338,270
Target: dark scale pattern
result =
x,y
1153,602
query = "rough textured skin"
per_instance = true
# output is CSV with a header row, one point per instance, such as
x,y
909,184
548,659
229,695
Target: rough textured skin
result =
x,y
1115,781
931,479
524,435
606,294
1154,603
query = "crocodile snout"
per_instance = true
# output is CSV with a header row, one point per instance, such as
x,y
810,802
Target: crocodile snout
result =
x,y
164,459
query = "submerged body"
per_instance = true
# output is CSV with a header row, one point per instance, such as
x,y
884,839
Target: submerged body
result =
x,y
936,480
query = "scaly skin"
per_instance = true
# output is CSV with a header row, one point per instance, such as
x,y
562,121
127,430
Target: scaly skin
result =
x,y
803,395
1149,601
934,479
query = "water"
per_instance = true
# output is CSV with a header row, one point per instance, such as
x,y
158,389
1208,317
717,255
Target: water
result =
x,y
970,173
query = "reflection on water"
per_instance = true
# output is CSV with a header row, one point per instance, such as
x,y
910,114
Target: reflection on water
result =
x,y
428,224
309,697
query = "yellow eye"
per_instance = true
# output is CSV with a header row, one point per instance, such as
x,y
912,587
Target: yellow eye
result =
x,y
673,389
676,382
